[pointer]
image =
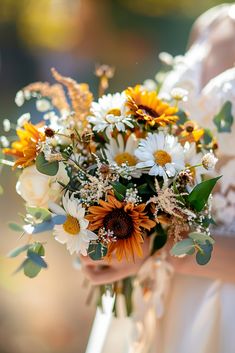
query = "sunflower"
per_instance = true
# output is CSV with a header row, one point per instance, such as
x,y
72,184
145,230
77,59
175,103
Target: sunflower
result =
x,y
126,222
147,107
191,132
26,148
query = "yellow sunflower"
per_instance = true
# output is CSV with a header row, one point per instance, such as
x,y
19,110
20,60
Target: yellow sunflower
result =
x,y
147,107
26,148
191,132
126,221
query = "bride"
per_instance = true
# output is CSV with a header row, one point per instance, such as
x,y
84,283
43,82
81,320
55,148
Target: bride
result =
x,y
192,309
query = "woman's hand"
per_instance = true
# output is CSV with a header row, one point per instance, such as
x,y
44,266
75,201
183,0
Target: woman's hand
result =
x,y
104,272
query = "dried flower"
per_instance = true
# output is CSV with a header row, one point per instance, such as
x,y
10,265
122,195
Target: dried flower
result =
x,y
4,141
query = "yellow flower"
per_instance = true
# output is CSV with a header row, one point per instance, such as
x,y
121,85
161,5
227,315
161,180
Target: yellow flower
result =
x,y
26,148
191,132
126,221
148,108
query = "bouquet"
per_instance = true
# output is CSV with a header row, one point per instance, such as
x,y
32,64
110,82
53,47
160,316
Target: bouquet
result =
x,y
105,174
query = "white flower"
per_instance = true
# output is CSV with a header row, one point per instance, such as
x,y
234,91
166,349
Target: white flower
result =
x,y
38,189
122,153
4,141
162,154
73,232
192,158
6,125
19,99
43,105
209,161
179,94
150,85
109,113
23,119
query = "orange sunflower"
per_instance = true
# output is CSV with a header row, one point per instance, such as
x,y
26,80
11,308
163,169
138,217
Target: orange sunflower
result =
x,y
147,107
26,148
126,221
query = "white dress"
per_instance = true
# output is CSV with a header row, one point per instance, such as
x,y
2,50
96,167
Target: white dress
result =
x,y
189,314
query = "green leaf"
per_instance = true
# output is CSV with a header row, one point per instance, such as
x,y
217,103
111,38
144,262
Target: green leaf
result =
x,y
202,258
182,117
200,193
201,238
183,247
160,239
19,250
37,259
15,227
31,269
1,190
39,213
119,187
97,251
207,137
45,167
224,119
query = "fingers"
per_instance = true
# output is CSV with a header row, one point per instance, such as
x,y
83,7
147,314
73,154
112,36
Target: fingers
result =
x,y
100,276
87,261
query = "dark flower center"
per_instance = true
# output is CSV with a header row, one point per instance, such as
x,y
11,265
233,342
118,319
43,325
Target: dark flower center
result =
x,y
120,223
148,111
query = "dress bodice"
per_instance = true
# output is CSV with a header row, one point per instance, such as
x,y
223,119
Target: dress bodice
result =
x,y
203,104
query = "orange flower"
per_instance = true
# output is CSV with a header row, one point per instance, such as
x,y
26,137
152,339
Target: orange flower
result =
x,y
147,107
126,221
191,132
26,148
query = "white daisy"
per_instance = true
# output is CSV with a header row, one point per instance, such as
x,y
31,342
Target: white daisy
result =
x,y
119,152
192,158
109,113
161,153
73,232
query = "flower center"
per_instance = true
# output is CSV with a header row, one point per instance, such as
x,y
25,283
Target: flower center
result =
x,y
115,111
71,225
124,157
148,111
120,223
162,157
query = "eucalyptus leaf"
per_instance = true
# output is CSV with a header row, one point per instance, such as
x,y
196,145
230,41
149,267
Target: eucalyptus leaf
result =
x,y
31,269
38,248
224,119
183,247
37,259
201,238
200,193
18,251
39,213
203,258
45,167
97,251
182,117
15,227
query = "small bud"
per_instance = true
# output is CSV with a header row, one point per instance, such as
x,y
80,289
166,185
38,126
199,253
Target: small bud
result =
x,y
19,99
6,125
43,105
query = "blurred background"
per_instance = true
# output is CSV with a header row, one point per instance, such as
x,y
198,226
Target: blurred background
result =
x,y
49,313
